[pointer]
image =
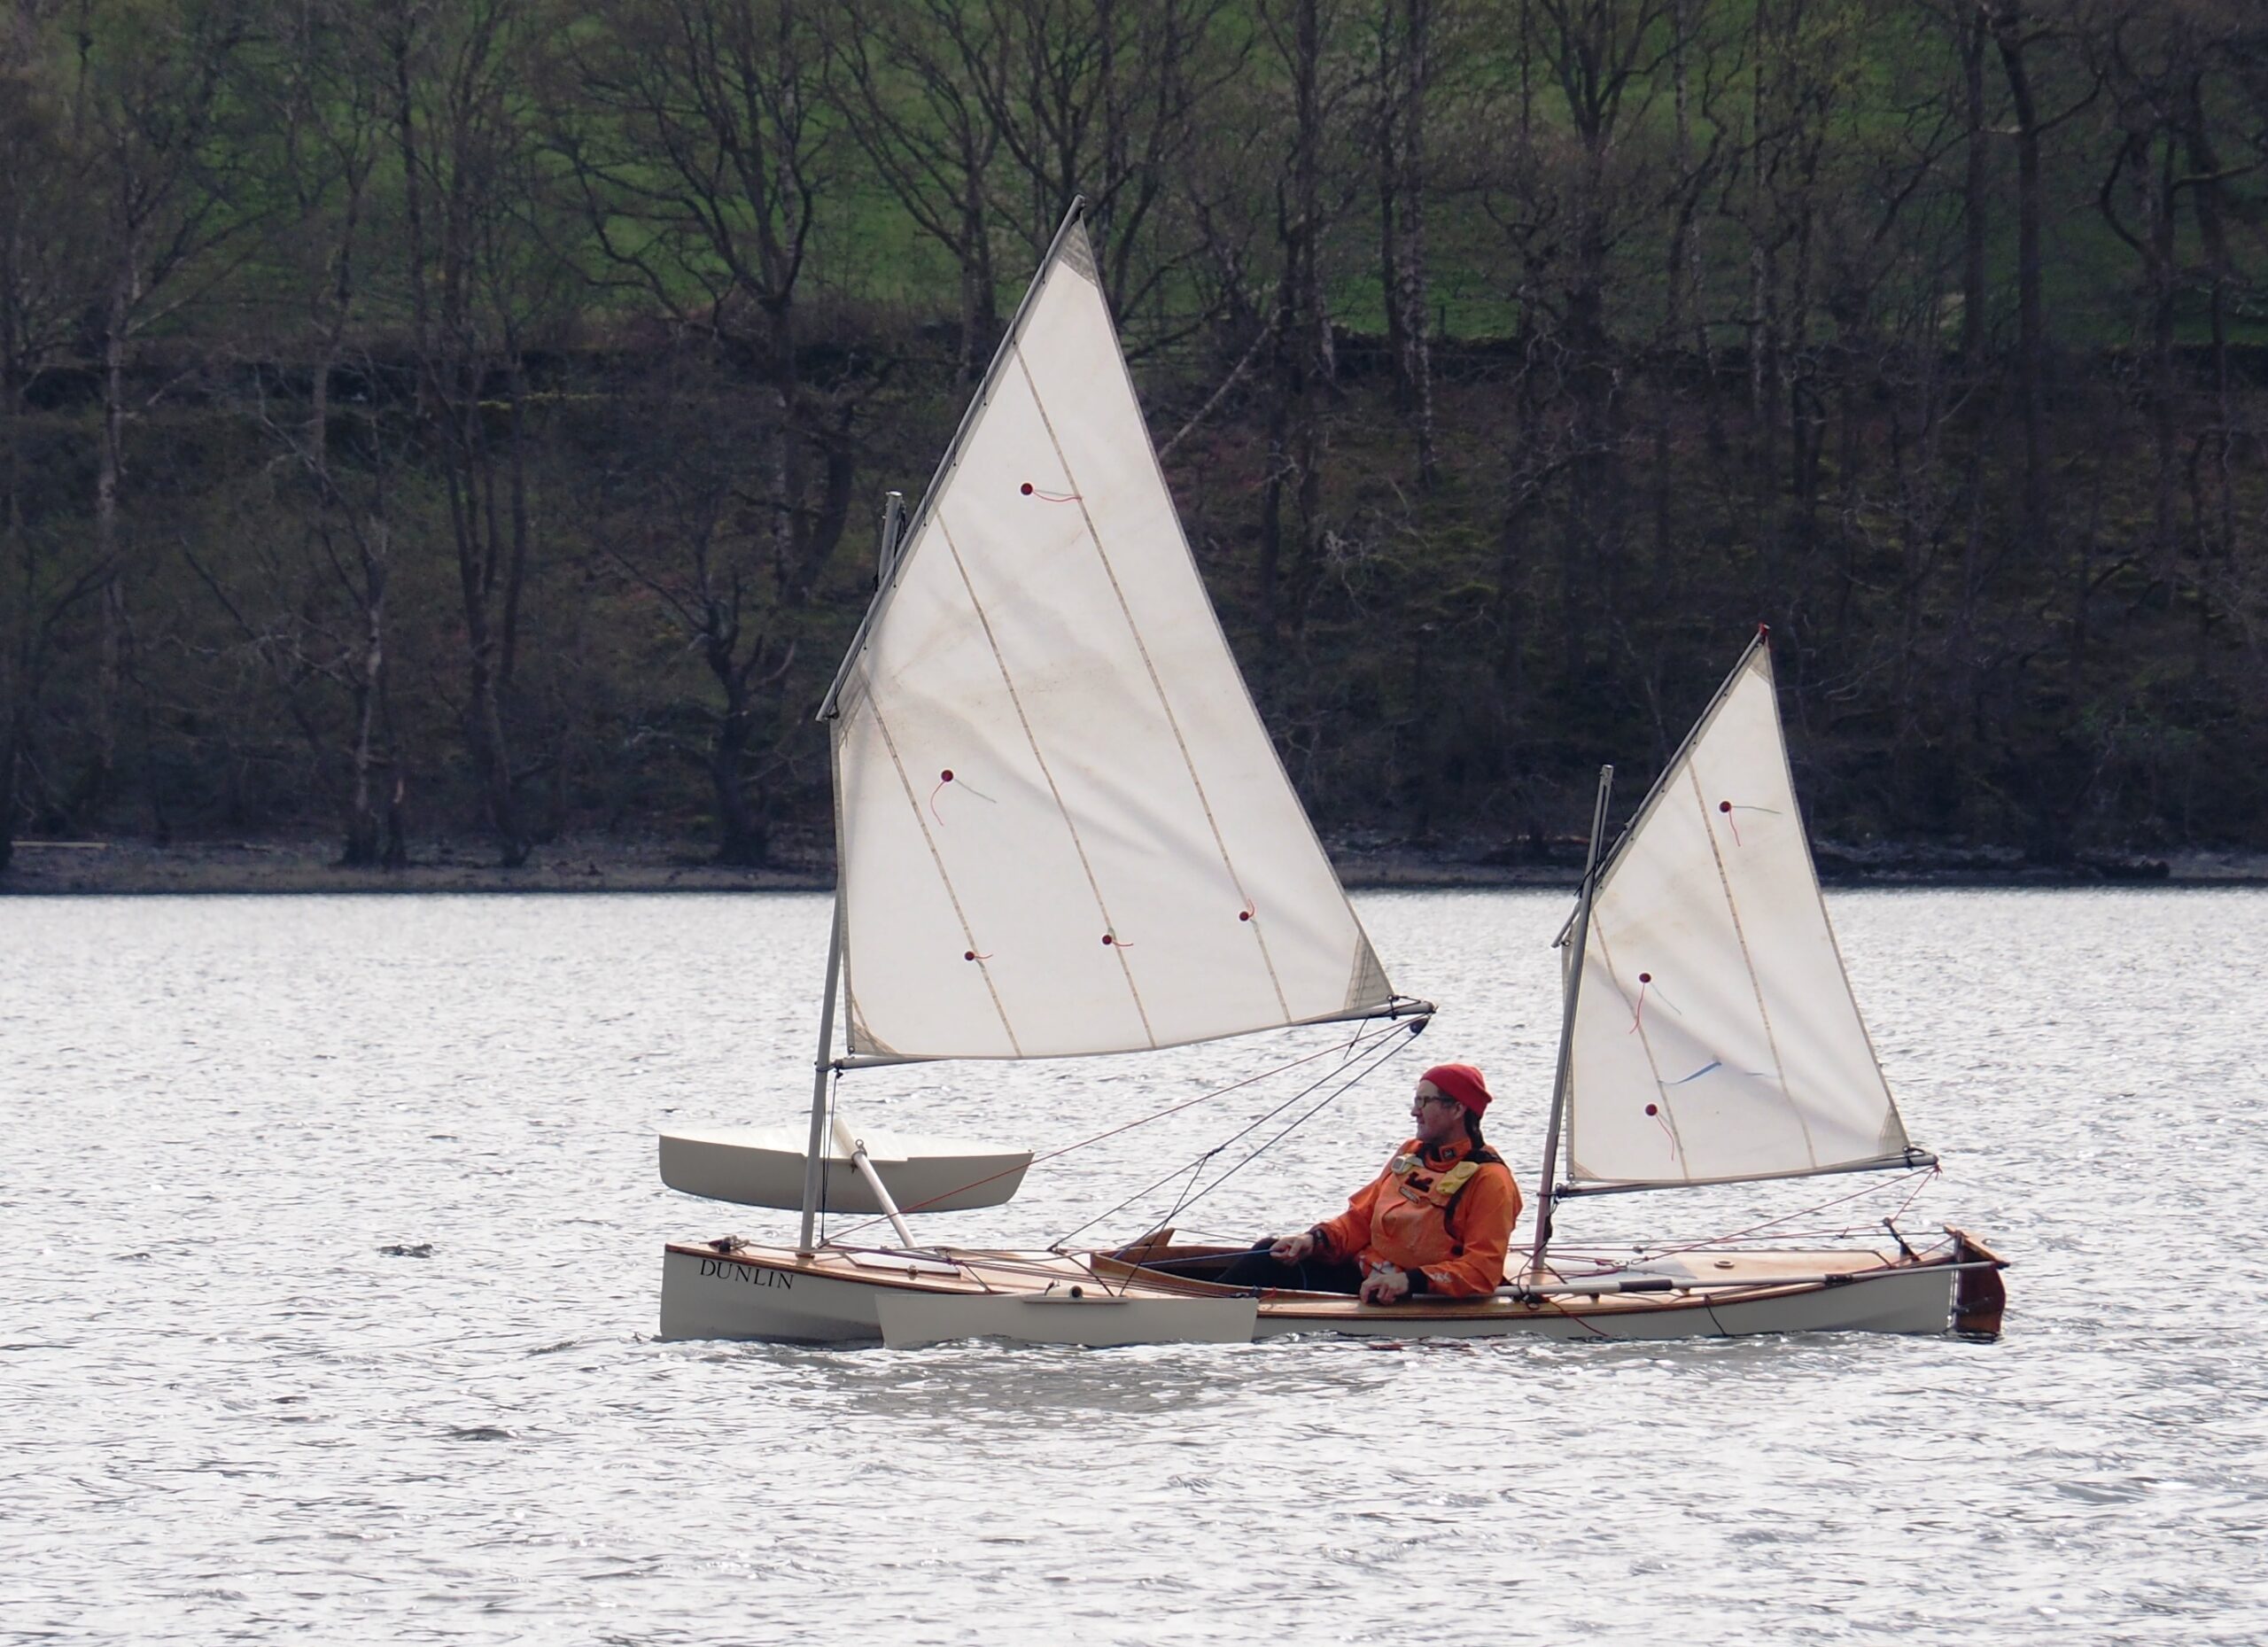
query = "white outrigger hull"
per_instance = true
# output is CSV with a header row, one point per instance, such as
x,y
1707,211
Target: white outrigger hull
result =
x,y
837,1296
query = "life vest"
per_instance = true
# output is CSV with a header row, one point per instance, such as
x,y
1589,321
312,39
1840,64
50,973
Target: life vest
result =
x,y
1422,1215
1444,1189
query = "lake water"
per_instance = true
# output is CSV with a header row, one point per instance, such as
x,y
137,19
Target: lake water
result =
x,y
235,1407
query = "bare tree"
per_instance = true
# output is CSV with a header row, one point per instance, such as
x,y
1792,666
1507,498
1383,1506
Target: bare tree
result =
x,y
701,155
1104,99
1578,94
142,114
681,521
2022,30
49,248
920,82
1406,47
479,272
310,592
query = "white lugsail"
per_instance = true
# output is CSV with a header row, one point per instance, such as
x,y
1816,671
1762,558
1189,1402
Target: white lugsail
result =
x,y
1061,826
1715,1036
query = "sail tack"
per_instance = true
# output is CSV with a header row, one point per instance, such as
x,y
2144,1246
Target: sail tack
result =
x,y
1061,826
1715,1035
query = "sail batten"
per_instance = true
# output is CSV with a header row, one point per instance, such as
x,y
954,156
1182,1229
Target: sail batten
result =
x,y
1715,1038
1061,828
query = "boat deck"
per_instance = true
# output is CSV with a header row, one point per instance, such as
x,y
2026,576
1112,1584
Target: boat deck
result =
x,y
839,1293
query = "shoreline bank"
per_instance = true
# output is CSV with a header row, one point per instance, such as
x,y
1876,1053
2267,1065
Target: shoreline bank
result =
x,y
114,868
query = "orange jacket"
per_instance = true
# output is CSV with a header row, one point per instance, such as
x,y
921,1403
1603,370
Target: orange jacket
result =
x,y
1414,1215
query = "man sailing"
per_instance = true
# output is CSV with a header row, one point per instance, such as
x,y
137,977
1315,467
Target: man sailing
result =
x,y
1435,1223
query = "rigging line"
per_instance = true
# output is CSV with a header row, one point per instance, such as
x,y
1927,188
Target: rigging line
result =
x,y
1173,1212
1149,663
1748,959
1196,1171
1142,1121
1329,1099
1801,1212
1871,1227
1351,1083
1920,1185
1257,1120
1168,1177
827,1161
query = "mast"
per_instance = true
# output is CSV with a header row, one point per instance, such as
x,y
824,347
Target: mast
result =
x,y
1072,217
1582,926
1718,965
814,1160
823,1065
893,527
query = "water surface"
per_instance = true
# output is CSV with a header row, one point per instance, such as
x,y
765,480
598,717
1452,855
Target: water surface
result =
x,y
332,1242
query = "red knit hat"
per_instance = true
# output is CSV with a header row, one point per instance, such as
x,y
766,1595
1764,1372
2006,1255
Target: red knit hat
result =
x,y
1461,1082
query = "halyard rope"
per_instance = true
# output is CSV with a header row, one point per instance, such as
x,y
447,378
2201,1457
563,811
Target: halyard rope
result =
x,y
1350,1051
1191,1196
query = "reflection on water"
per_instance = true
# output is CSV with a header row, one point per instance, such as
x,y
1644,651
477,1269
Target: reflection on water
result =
x,y
333,1242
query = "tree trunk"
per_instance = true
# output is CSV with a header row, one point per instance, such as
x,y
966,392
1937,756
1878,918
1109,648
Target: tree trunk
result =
x,y
2031,327
1403,70
1976,184
110,472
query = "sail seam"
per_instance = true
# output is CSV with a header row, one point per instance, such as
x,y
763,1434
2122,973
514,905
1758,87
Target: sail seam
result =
x,y
944,876
1071,824
1244,690
1652,800
1065,233
1835,944
1653,1064
1748,957
1149,666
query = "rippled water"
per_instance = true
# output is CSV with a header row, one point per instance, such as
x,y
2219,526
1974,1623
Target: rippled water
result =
x,y
332,1244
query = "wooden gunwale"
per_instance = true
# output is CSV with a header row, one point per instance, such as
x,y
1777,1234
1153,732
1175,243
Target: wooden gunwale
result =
x,y
994,1271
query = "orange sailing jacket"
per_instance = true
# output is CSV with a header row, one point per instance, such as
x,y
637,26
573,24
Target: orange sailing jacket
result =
x,y
1445,1220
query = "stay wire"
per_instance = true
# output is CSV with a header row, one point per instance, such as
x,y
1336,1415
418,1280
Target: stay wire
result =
x,y
1920,1177
1352,1081
1191,1196
1411,1025
1192,1168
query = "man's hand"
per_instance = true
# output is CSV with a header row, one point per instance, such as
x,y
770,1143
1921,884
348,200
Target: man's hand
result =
x,y
1384,1284
1293,1249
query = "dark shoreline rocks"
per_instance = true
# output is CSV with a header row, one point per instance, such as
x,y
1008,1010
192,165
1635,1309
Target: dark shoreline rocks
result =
x,y
594,865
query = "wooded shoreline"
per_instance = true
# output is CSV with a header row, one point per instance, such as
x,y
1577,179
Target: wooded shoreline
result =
x,y
308,865
470,423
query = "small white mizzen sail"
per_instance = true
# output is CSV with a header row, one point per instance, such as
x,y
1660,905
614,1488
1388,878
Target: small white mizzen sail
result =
x,y
1715,1035
1061,826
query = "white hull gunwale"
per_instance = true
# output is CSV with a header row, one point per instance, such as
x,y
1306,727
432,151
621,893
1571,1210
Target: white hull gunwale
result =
x,y
840,1297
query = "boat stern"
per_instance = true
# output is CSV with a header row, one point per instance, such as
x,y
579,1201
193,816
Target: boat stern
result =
x,y
1979,1297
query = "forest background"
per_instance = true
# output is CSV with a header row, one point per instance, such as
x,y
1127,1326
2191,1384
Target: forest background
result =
x,y
433,419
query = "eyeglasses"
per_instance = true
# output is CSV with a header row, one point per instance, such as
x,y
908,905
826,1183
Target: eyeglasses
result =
x,y
1443,1098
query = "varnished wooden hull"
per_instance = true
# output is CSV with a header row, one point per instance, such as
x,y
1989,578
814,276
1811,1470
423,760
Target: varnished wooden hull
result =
x,y
835,1297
